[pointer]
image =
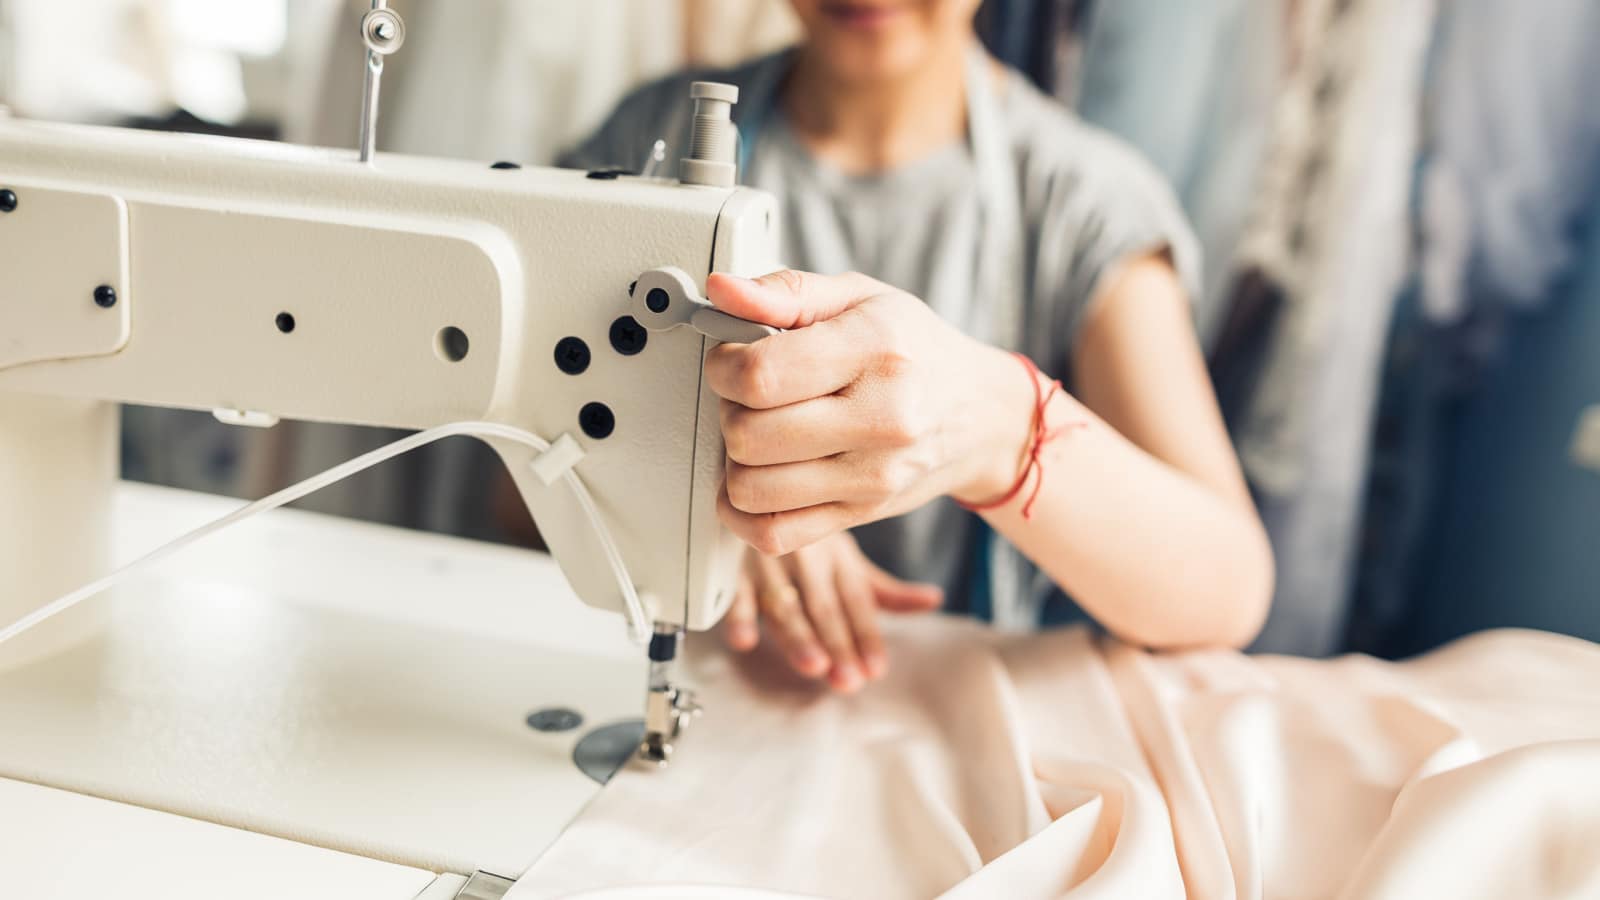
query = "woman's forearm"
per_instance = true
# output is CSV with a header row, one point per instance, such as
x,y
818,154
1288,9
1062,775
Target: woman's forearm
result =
x,y
1158,557
870,405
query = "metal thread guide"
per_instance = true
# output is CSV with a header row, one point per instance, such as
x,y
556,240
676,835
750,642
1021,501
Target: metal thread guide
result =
x,y
383,32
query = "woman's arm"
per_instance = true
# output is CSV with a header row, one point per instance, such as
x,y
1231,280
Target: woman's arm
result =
x,y
873,405
1142,515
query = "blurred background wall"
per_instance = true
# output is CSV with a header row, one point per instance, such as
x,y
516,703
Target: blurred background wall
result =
x,y
1395,197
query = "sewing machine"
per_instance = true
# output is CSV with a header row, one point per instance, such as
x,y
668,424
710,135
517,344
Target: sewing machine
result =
x,y
261,281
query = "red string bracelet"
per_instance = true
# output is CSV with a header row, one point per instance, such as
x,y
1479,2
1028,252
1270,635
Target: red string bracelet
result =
x,y
1042,435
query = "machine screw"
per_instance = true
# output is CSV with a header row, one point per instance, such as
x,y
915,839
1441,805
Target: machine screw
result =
x,y
555,719
597,420
610,173
105,296
8,200
657,300
285,322
383,30
572,355
628,337
505,164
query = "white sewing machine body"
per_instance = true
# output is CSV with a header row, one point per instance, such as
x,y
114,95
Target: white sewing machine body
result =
x,y
263,281
388,271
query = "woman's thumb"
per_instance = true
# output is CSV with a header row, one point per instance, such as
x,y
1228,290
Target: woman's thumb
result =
x,y
899,596
789,298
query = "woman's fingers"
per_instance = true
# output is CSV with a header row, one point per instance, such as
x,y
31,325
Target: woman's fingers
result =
x,y
812,571
820,607
855,595
898,596
795,486
813,429
778,534
739,628
789,367
825,355
790,298
780,602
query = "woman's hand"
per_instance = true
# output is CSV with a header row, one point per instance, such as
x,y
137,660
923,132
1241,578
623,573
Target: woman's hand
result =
x,y
870,407
820,605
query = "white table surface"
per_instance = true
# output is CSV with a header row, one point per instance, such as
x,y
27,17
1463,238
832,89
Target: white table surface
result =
x,y
342,685
64,846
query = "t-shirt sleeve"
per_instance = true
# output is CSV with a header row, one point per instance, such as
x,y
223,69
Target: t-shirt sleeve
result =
x,y
1107,206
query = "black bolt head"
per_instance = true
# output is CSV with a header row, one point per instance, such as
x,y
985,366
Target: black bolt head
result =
x,y
657,300
8,200
504,164
611,173
597,420
105,296
285,322
572,355
555,719
628,336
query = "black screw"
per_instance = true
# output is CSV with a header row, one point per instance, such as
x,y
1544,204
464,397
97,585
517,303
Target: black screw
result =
x,y
657,300
285,322
597,420
8,200
504,164
105,296
607,174
572,355
628,336
555,719
451,344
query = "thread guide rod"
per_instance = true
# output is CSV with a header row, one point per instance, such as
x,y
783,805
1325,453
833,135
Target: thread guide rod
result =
x,y
382,32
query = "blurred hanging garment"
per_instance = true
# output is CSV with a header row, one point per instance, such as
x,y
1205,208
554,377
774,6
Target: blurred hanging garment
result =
x,y
1323,256
1039,38
1508,180
1193,86
115,60
1513,155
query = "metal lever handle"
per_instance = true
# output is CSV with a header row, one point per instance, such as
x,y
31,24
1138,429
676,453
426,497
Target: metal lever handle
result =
x,y
667,297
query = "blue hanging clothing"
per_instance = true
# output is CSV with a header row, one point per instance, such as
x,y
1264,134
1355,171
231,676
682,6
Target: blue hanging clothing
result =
x,y
1508,177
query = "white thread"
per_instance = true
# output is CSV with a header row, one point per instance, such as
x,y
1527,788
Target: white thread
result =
x,y
639,626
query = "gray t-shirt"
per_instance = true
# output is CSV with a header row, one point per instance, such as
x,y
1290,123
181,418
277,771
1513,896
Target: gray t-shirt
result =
x,y
1087,202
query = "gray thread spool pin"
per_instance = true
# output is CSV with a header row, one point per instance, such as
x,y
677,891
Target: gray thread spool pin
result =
x,y
713,139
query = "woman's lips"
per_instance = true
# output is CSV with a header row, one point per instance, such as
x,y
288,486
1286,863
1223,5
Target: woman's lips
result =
x,y
860,15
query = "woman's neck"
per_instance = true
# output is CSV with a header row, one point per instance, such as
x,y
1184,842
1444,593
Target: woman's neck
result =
x,y
873,128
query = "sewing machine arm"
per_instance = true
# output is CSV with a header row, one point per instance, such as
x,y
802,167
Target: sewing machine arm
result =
x,y
263,281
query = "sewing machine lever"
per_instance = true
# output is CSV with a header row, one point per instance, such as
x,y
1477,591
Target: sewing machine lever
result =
x,y
667,297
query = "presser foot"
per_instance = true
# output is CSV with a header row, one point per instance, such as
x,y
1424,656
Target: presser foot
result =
x,y
668,707
668,711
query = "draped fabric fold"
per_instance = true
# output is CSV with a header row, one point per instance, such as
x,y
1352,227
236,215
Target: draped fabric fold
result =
x,y
1062,766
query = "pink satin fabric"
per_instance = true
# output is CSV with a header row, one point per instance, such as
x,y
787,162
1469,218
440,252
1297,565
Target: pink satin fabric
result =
x,y
1057,765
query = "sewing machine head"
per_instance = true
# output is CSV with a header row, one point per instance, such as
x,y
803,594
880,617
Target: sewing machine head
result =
x,y
263,281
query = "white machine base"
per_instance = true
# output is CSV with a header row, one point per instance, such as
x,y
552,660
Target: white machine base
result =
x,y
340,685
